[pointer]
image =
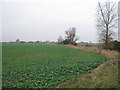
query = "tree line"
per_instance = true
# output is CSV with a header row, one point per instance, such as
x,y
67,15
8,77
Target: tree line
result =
x,y
106,23
107,19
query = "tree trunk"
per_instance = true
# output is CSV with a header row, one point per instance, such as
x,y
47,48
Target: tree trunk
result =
x,y
107,38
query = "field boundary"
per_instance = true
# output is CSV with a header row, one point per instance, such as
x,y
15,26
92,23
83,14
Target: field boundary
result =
x,y
110,54
94,71
112,61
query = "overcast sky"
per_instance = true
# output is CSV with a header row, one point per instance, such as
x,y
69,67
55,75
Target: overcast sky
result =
x,y
47,19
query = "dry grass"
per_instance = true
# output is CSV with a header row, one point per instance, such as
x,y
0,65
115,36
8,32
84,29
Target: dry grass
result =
x,y
111,54
105,75
108,53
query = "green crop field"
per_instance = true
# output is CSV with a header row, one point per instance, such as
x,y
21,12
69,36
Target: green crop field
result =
x,y
44,66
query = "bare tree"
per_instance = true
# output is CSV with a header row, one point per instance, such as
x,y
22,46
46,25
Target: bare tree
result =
x,y
106,21
71,35
60,40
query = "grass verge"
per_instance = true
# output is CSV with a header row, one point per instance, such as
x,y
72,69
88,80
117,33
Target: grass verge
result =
x,y
104,76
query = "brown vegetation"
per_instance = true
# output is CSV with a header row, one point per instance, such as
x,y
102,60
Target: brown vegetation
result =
x,y
106,72
97,49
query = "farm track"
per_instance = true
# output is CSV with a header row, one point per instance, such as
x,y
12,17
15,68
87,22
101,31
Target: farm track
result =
x,y
113,57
